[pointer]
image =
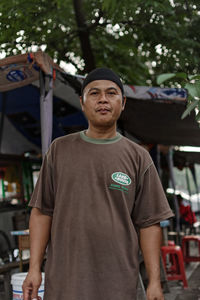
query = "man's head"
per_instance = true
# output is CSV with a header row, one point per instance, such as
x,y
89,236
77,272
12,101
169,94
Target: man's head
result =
x,y
102,98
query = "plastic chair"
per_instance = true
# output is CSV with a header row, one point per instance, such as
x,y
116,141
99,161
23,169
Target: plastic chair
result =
x,y
186,247
174,264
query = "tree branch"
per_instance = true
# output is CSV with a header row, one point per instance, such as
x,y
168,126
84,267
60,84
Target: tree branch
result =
x,y
84,36
188,8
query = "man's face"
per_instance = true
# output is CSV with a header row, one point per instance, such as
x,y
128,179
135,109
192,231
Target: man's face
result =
x,y
102,103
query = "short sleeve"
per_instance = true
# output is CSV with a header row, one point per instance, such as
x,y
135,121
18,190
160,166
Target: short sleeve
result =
x,y
43,194
151,205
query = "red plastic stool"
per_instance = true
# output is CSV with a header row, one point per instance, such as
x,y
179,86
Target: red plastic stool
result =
x,y
171,243
174,266
186,247
173,260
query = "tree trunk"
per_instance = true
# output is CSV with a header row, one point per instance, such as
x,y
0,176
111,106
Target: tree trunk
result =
x,y
84,36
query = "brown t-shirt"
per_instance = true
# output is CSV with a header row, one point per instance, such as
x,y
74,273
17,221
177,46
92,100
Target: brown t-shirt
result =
x,y
99,192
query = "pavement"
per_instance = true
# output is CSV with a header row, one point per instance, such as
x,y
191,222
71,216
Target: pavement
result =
x,y
176,290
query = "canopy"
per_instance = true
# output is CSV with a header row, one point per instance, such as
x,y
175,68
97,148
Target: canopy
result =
x,y
185,159
28,81
27,103
157,119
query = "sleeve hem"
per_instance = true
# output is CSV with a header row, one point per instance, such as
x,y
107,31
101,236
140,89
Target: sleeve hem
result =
x,y
43,211
156,219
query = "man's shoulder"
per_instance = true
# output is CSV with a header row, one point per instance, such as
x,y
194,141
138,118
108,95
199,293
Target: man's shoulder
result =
x,y
134,146
63,141
138,154
67,138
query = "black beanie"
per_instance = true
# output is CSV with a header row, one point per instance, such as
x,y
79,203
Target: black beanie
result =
x,y
102,74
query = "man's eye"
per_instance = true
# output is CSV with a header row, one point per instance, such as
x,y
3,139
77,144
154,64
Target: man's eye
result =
x,y
111,93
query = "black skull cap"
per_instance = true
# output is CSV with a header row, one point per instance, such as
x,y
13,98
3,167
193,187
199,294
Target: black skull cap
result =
x,y
102,74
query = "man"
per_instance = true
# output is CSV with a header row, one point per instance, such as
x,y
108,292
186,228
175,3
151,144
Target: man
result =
x,y
97,197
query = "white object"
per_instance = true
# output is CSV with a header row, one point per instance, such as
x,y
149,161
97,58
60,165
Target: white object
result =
x,y
17,282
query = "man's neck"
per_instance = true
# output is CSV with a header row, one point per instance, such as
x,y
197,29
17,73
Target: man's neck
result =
x,y
101,133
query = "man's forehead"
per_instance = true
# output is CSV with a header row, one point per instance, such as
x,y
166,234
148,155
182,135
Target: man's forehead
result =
x,y
102,84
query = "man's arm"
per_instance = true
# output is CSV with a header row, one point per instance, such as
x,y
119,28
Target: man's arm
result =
x,y
150,243
40,226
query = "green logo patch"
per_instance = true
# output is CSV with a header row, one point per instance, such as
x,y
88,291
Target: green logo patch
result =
x,y
121,178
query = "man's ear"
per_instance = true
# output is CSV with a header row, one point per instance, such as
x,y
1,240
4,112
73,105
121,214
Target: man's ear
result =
x,y
82,103
123,102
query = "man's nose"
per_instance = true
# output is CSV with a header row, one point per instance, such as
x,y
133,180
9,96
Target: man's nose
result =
x,y
102,97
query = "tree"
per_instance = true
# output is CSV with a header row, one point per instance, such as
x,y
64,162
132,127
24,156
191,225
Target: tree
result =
x,y
138,39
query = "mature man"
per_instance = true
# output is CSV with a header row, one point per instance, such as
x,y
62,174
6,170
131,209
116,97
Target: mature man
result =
x,y
97,197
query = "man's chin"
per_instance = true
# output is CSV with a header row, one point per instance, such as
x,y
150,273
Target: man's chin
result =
x,y
104,124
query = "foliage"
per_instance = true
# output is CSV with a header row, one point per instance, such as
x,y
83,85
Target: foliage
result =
x,y
192,84
138,39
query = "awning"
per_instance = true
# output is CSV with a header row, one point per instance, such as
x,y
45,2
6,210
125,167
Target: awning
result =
x,y
152,115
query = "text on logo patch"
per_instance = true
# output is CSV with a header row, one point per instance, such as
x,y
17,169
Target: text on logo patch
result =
x,y
121,178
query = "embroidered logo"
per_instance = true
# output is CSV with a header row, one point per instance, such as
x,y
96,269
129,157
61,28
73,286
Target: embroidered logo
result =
x,y
121,178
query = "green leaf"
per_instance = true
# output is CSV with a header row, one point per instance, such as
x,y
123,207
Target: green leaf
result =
x,y
109,5
196,77
181,75
197,118
193,89
163,77
190,107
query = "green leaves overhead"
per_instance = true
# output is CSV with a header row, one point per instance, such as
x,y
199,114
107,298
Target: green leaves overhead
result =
x,y
138,39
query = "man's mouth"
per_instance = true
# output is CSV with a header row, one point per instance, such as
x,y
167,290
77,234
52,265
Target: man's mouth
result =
x,y
103,110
